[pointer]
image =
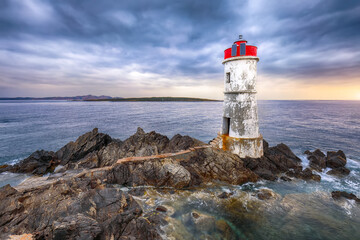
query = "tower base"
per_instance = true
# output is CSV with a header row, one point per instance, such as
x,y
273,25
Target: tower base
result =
x,y
243,147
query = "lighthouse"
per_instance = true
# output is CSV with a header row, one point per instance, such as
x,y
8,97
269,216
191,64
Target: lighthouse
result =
x,y
240,125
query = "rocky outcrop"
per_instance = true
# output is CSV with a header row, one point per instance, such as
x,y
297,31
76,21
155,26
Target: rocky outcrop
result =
x,y
75,209
335,160
88,143
94,149
188,168
85,199
306,174
38,163
276,160
152,143
317,159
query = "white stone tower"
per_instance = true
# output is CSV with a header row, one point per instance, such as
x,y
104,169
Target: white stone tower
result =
x,y
240,126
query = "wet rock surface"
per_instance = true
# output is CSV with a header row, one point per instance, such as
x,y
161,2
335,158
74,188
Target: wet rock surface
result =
x,y
84,197
342,194
334,160
74,209
276,160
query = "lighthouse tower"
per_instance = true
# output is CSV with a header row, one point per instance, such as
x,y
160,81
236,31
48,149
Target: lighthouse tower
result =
x,y
240,126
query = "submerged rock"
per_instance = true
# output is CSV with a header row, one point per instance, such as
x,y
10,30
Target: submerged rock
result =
x,y
225,195
266,194
201,221
342,194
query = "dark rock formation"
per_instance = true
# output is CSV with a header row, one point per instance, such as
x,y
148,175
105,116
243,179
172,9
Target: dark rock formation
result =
x,y
340,171
305,174
187,169
341,194
38,163
152,143
334,160
84,200
317,160
276,160
85,144
75,209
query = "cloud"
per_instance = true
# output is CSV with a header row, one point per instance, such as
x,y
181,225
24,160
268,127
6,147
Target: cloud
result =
x,y
139,45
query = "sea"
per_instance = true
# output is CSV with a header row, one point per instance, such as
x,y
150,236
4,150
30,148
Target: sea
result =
x,y
27,126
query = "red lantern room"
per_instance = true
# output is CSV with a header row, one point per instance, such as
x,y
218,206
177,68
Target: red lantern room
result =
x,y
240,48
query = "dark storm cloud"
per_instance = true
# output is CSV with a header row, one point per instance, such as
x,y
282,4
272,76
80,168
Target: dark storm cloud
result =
x,y
124,42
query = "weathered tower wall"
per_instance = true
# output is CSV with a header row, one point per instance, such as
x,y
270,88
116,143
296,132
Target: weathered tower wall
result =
x,y
240,128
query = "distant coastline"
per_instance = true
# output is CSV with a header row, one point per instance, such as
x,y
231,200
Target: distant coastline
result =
x,y
155,99
117,99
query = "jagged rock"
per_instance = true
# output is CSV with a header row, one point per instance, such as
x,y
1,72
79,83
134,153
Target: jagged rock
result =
x,y
179,142
85,201
110,154
38,163
276,160
191,168
340,171
211,164
143,144
342,194
335,159
306,174
76,226
85,144
152,143
317,160
73,209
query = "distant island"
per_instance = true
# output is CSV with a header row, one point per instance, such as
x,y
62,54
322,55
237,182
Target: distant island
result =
x,y
76,98
117,99
156,99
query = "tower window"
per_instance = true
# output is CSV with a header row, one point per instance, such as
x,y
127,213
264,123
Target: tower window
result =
x,y
227,77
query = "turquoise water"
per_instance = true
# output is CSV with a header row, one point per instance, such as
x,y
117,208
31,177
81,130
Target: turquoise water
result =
x,y
301,211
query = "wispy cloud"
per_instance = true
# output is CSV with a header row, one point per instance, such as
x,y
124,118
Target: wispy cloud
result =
x,y
135,47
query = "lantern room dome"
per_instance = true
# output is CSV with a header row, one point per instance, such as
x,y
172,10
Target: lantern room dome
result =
x,y
240,48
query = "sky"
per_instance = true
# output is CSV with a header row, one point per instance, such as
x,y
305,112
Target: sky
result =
x,y
308,49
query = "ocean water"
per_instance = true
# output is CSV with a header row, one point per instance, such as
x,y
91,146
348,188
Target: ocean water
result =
x,y
305,212
26,126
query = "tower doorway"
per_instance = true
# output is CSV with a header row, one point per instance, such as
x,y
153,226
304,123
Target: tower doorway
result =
x,y
226,125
